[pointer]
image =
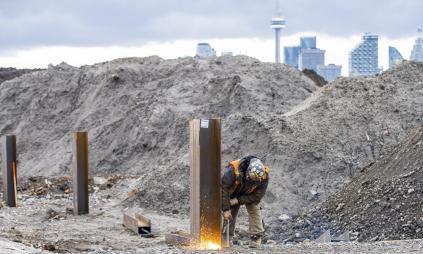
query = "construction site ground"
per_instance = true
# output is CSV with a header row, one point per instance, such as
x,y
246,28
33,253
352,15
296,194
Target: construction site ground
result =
x,y
44,223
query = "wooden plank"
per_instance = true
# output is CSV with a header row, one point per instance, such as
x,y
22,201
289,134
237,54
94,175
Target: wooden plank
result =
x,y
80,173
9,170
205,197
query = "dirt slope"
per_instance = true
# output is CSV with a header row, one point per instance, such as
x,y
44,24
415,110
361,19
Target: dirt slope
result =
x,y
11,73
384,201
136,111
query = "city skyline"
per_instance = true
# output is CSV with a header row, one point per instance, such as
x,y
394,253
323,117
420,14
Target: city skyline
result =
x,y
47,31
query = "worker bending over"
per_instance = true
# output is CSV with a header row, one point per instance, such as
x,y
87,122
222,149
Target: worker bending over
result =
x,y
244,182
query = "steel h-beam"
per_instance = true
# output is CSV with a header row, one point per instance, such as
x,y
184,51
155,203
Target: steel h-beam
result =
x,y
9,170
80,173
205,140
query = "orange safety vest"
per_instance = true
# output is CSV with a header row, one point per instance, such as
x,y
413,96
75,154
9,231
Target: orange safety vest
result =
x,y
235,165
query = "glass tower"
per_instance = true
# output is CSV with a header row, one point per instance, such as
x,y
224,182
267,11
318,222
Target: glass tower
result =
x,y
205,50
311,58
363,59
417,52
308,42
291,55
329,72
395,57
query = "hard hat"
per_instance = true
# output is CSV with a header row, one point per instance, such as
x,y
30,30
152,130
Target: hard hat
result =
x,y
256,170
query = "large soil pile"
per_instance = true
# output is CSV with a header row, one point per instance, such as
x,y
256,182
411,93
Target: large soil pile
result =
x,y
136,111
11,73
383,202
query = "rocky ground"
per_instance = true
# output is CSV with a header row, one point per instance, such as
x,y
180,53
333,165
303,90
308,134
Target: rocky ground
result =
x,y
44,223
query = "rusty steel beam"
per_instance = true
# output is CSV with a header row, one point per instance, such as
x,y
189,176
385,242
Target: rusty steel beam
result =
x,y
138,224
9,170
205,196
80,173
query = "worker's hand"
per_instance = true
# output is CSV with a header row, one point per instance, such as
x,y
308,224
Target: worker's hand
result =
x,y
234,202
227,215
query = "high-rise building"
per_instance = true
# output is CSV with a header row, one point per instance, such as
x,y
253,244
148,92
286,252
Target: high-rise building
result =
x,y
277,23
205,50
308,42
291,55
329,72
417,52
311,58
395,57
363,59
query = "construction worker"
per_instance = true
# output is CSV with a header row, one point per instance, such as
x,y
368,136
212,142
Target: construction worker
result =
x,y
244,182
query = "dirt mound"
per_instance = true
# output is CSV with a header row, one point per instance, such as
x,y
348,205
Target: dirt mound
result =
x,y
11,73
136,111
384,201
318,80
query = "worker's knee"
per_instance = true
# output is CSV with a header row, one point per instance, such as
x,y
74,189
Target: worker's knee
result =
x,y
253,208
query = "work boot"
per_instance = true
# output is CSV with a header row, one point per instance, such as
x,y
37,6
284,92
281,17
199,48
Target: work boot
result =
x,y
255,242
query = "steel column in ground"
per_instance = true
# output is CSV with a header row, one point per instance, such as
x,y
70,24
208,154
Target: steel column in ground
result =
x,y
9,170
80,172
205,148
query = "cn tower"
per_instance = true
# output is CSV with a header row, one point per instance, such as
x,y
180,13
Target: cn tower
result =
x,y
277,23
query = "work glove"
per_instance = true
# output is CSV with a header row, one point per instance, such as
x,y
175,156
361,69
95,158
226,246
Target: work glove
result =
x,y
234,202
227,215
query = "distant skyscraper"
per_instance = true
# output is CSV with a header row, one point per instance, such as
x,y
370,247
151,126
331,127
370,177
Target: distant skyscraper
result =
x,y
277,23
363,59
205,50
311,58
291,55
308,42
395,57
329,72
417,52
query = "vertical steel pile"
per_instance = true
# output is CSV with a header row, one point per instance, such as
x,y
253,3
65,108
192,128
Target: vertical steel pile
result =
x,y
8,154
80,173
205,145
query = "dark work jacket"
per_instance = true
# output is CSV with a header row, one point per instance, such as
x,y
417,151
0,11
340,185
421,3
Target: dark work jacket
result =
x,y
241,192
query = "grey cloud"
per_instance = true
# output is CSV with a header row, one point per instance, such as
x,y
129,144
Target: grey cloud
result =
x,y
131,22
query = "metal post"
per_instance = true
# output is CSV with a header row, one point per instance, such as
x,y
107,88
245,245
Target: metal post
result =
x,y
9,170
205,140
80,173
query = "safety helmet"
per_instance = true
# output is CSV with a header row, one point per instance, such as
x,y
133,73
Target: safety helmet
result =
x,y
256,170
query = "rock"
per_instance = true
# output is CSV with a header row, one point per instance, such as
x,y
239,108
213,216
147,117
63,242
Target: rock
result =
x,y
340,206
271,242
284,217
313,192
100,180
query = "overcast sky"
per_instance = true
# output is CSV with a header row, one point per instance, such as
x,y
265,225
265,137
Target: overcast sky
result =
x,y
28,25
